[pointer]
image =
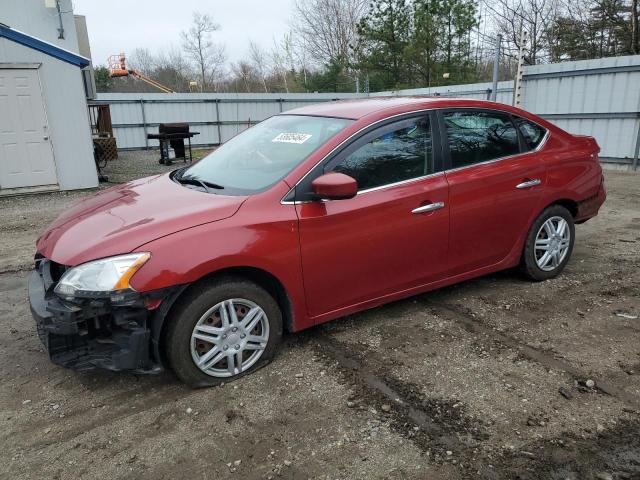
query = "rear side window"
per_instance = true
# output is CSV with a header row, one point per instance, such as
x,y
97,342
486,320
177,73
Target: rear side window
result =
x,y
479,136
532,133
397,154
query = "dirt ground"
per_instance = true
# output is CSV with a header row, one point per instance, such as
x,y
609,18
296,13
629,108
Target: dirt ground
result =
x,y
486,379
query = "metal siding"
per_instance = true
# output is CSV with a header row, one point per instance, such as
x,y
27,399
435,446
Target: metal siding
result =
x,y
129,137
573,92
589,87
239,109
476,91
33,18
45,47
67,115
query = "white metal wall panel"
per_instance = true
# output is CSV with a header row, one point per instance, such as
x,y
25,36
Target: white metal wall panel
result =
x,y
33,18
230,131
570,94
129,137
125,113
473,90
179,112
616,137
67,114
598,97
236,112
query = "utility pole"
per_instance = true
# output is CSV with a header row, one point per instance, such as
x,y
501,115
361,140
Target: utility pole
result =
x,y
496,66
517,81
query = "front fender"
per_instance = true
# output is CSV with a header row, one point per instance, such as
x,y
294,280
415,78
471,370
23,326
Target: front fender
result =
x,y
187,256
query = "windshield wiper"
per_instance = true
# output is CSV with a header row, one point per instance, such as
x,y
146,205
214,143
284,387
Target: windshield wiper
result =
x,y
197,181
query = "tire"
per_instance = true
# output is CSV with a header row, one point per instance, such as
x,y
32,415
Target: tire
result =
x,y
207,305
534,264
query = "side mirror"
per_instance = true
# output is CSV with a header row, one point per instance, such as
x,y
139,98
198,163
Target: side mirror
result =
x,y
335,186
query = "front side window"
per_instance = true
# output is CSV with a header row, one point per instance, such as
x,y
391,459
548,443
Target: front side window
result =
x,y
264,154
399,154
532,132
479,136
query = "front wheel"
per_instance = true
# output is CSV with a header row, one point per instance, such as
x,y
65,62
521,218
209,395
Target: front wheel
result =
x,y
221,330
549,244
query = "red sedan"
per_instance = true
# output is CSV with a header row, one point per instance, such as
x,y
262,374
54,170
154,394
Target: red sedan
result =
x,y
311,215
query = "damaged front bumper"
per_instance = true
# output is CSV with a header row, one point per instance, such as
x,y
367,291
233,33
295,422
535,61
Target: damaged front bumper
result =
x,y
98,333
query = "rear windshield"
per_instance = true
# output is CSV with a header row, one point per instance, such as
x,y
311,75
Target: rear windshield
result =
x,y
264,154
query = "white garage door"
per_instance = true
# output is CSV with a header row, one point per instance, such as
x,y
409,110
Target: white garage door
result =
x,y
26,156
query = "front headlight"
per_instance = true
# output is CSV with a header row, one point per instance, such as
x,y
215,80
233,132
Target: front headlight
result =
x,y
101,276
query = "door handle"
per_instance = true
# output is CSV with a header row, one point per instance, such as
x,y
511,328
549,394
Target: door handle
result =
x,y
428,208
529,183
46,137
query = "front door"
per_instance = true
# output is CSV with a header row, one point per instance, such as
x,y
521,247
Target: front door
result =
x,y
26,156
392,236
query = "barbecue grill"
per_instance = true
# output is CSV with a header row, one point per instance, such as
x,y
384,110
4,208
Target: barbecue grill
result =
x,y
173,135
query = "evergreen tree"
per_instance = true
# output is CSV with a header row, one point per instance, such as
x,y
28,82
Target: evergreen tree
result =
x,y
424,48
385,34
606,30
103,81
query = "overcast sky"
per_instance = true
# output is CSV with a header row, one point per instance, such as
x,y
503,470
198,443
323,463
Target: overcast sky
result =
x,y
124,25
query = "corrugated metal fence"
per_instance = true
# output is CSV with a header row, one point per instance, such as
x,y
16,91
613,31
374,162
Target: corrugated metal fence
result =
x,y
217,117
600,98
591,97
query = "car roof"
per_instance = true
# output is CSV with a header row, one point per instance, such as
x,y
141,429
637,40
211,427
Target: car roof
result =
x,y
359,108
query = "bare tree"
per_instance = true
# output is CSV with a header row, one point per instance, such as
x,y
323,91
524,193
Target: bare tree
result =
x,y
534,16
142,59
302,58
280,58
244,74
328,28
197,44
217,69
259,62
172,69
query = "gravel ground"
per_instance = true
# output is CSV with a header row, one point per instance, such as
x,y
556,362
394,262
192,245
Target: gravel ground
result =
x,y
24,217
491,378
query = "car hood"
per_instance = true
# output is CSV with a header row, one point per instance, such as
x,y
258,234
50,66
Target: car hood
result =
x,y
121,218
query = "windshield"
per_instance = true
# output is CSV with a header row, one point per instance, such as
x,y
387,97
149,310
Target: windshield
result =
x,y
262,155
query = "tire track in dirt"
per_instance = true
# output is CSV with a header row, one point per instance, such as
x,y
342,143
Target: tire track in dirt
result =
x,y
436,426
473,325
123,410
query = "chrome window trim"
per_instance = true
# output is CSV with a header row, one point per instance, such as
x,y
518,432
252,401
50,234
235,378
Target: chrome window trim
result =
x,y
507,157
404,114
401,182
546,131
374,189
407,114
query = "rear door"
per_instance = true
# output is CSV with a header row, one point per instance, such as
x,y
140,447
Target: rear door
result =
x,y
26,156
393,235
495,186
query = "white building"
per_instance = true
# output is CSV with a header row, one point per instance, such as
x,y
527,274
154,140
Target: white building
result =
x,y
45,136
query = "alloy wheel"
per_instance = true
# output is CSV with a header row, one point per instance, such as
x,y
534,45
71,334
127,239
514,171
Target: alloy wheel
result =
x,y
552,243
229,338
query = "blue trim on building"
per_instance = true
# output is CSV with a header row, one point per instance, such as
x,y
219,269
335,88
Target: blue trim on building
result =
x,y
42,46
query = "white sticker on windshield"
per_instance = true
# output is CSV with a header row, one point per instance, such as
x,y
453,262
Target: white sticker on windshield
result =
x,y
292,137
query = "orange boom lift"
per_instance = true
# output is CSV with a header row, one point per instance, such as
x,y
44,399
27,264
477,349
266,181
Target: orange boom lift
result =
x,y
118,68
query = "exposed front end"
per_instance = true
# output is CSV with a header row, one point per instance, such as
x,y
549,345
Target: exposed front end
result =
x,y
107,330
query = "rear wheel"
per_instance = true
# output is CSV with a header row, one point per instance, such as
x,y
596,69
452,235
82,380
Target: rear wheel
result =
x,y
549,244
221,330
